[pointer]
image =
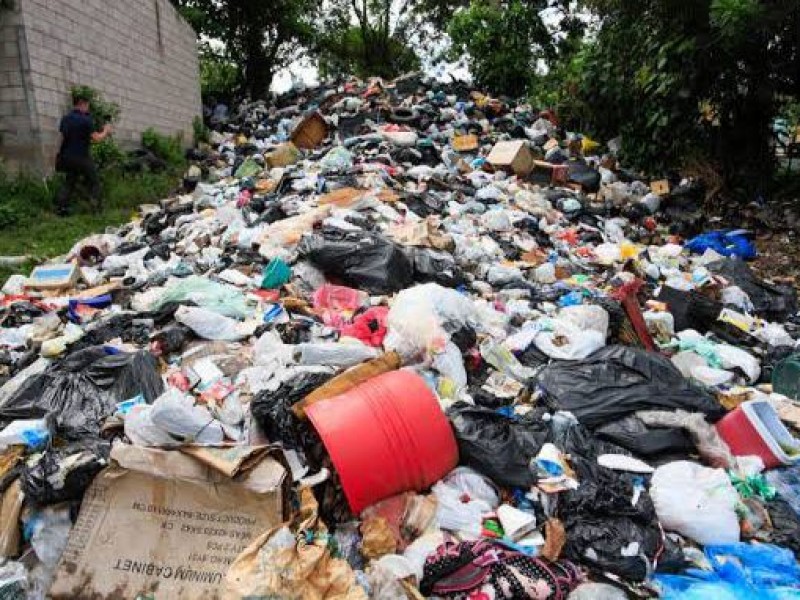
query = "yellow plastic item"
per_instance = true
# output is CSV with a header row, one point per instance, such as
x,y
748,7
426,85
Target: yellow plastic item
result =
x,y
588,145
628,250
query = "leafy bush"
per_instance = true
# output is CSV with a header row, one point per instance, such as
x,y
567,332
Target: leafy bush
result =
x,y
167,148
201,132
503,42
103,111
22,197
107,153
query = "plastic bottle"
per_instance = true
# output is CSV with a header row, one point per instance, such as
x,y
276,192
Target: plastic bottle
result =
x,y
338,297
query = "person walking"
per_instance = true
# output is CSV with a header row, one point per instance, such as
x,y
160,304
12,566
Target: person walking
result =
x,y
74,158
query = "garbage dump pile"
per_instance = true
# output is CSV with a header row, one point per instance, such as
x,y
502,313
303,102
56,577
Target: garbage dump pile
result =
x,y
397,341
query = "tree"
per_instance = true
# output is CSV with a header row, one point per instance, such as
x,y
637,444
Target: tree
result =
x,y
696,80
258,36
368,38
504,42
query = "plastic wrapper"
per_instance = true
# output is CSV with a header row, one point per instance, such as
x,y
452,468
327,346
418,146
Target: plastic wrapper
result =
x,y
334,355
366,261
422,318
457,513
739,572
661,441
565,341
772,302
205,293
697,502
437,267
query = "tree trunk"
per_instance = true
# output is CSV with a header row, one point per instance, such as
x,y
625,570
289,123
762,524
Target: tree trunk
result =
x,y
258,68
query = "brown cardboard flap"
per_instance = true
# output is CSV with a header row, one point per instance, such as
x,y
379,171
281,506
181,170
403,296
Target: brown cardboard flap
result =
x,y
169,536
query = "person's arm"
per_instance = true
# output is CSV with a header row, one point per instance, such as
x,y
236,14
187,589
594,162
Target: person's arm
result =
x,y
99,136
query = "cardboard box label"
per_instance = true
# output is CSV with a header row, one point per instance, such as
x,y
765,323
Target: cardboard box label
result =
x,y
139,534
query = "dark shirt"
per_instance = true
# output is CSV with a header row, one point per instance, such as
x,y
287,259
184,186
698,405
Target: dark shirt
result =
x,y
77,128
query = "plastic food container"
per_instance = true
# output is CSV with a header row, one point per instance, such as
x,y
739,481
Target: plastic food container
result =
x,y
755,429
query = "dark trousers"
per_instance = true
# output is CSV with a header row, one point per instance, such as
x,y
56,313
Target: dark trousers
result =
x,y
77,168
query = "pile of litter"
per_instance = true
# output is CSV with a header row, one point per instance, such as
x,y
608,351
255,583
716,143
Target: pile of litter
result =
x,y
394,341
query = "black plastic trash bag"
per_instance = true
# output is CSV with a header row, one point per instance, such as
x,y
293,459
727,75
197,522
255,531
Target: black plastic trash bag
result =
x,y
785,525
62,474
497,446
363,260
609,512
772,302
436,266
584,175
632,434
691,310
616,381
272,410
82,390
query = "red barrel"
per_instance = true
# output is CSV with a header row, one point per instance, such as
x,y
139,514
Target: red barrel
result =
x,y
385,436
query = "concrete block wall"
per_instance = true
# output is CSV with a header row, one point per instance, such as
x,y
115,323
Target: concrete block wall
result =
x,y
17,106
139,54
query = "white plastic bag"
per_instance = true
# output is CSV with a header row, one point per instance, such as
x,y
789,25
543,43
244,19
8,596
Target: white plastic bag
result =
x,y
453,514
565,341
416,319
696,501
334,354
210,325
587,316
733,357
179,416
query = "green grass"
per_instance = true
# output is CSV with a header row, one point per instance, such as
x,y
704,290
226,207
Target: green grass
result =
x,y
40,233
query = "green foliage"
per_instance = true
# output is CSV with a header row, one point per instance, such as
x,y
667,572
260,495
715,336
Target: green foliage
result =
x,y
503,42
35,231
22,197
201,132
103,111
107,153
367,38
345,52
165,147
219,77
686,81
259,38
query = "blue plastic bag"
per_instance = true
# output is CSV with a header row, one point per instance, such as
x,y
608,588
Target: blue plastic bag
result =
x,y
725,242
741,572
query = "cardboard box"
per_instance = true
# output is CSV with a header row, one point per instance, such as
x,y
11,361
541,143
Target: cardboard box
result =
x,y
310,132
162,524
54,277
465,143
660,187
514,156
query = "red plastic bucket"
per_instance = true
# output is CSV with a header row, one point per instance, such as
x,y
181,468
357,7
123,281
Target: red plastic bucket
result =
x,y
385,437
